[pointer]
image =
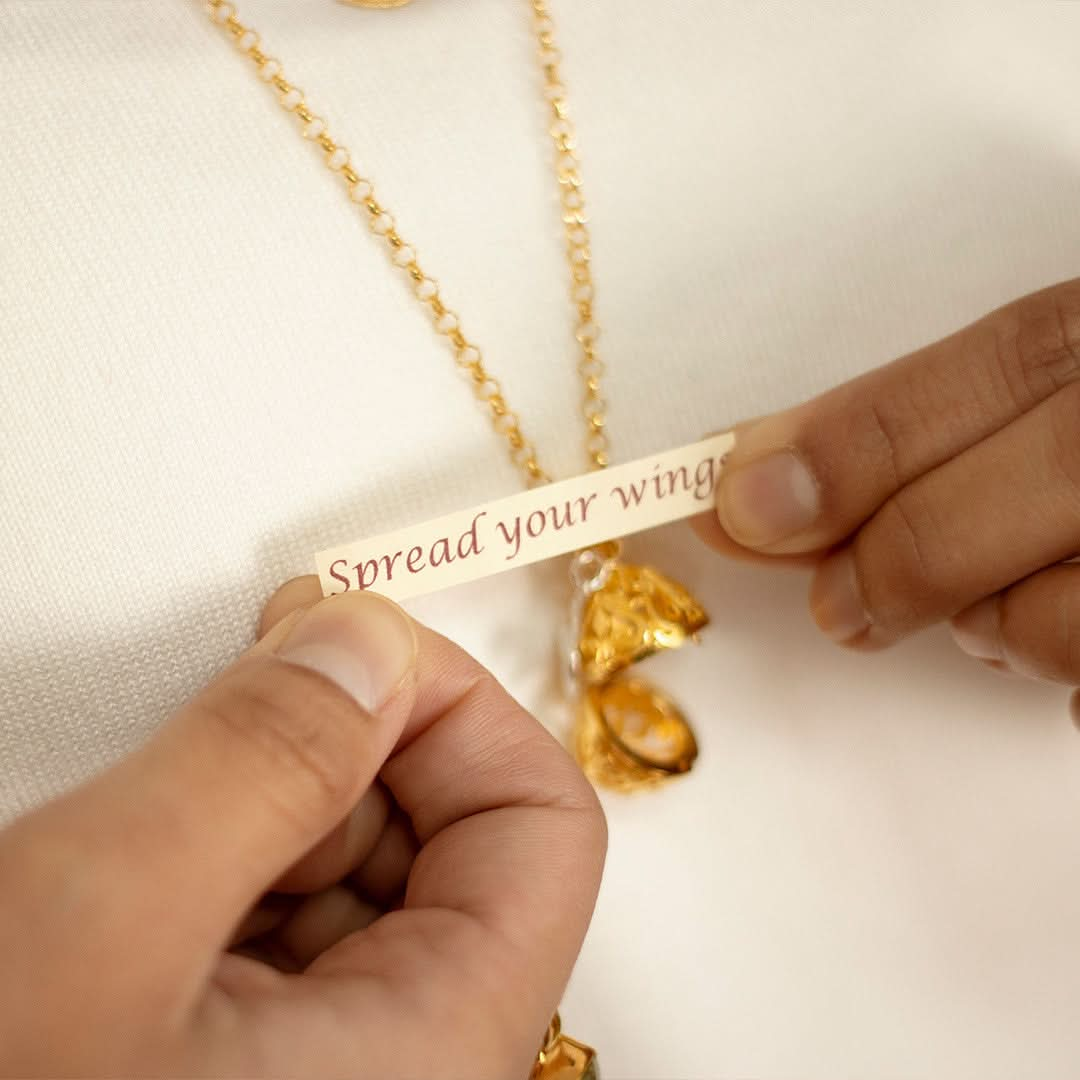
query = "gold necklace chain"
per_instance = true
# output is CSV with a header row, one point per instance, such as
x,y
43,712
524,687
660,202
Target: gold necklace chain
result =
x,y
361,191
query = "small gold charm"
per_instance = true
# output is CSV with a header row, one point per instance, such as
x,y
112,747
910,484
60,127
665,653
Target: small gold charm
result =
x,y
635,613
628,735
563,1058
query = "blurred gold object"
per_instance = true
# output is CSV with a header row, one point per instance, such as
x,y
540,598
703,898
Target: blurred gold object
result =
x,y
563,1058
635,613
631,736
628,734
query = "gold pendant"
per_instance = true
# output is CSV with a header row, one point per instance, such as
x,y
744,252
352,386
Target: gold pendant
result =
x,y
629,735
634,612
563,1058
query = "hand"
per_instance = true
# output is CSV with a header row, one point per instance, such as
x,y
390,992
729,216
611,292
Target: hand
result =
x,y
433,856
943,486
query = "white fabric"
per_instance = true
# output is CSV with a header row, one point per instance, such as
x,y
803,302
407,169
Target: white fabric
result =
x,y
209,372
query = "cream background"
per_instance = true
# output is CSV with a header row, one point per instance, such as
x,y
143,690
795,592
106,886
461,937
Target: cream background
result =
x,y
208,372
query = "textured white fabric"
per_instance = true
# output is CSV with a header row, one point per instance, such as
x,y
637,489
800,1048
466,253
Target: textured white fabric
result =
x,y
208,372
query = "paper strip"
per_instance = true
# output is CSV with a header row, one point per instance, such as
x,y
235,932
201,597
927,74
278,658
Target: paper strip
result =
x,y
529,526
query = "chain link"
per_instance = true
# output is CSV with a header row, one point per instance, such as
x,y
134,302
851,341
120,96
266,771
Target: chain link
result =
x,y
578,243
361,192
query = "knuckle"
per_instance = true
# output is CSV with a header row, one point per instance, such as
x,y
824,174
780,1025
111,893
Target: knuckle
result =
x,y
901,420
517,755
908,419
883,426
886,433
295,732
902,564
1039,624
1037,344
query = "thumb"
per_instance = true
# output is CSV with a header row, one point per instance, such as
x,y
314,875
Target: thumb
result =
x,y
191,829
802,480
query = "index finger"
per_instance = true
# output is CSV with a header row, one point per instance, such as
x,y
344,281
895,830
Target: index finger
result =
x,y
512,846
512,835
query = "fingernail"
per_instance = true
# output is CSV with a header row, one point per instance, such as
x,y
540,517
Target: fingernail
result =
x,y
978,630
768,499
835,599
358,640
